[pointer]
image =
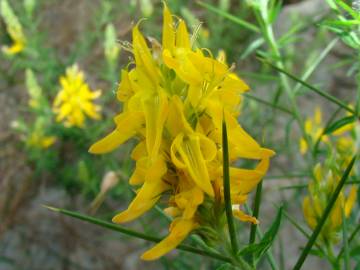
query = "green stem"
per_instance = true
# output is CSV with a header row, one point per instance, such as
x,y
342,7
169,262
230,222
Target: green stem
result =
x,y
345,241
351,238
257,202
140,235
268,104
227,196
269,256
314,89
324,217
230,17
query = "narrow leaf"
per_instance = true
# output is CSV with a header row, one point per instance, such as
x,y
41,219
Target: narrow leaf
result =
x,y
136,234
339,124
259,249
227,196
313,88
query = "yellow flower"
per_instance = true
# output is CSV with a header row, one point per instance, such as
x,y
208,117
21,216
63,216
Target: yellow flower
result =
x,y
13,28
174,100
75,99
320,192
314,130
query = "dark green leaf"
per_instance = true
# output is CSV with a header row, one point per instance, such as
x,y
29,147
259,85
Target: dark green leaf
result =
x,y
355,251
258,249
339,124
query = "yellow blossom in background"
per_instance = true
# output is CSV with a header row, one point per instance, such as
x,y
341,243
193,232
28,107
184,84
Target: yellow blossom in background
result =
x,y
321,189
75,100
314,129
37,137
174,100
39,141
14,29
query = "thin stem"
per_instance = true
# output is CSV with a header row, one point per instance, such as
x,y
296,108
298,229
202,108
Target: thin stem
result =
x,y
324,217
227,196
327,125
269,256
268,104
351,238
136,234
316,90
256,211
345,241
257,202
230,17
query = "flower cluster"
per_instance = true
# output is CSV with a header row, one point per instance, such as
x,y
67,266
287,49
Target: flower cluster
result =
x,y
14,29
314,130
320,191
75,99
174,102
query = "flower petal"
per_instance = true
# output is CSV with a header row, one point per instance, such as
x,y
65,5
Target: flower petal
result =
x,y
179,229
128,125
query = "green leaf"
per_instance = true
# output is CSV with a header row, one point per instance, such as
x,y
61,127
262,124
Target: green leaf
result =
x,y
226,266
227,189
259,249
230,17
339,124
347,8
254,45
316,252
355,251
275,8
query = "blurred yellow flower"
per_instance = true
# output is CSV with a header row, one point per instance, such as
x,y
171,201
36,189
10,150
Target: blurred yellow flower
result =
x,y
13,28
320,191
174,100
75,99
37,137
314,129
39,141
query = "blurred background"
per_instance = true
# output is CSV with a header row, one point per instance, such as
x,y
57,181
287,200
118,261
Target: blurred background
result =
x,y
46,162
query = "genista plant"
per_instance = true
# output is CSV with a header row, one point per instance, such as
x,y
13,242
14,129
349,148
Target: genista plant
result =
x,y
175,159
175,100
